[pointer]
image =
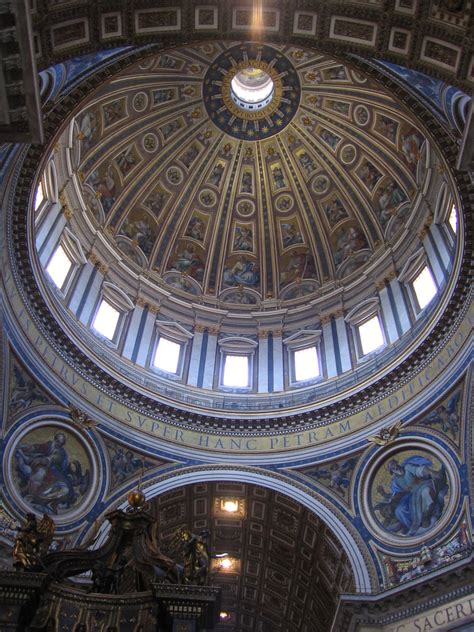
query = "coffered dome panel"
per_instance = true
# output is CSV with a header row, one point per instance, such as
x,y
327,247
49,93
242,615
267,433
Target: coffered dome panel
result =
x,y
275,203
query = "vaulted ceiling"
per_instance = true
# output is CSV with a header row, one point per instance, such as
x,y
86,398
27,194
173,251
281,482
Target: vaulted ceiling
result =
x,y
287,567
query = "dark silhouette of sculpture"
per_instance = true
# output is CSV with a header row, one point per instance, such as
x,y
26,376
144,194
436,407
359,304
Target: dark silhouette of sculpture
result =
x,y
195,554
32,542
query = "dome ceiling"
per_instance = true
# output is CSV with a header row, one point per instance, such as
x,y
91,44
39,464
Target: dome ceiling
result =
x,y
215,200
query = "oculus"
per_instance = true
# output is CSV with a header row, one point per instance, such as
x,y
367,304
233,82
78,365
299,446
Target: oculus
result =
x,y
251,91
252,88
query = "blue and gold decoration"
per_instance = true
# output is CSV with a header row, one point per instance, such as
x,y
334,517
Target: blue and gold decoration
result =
x,y
255,120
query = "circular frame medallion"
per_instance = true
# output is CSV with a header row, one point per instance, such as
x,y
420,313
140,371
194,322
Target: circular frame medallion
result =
x,y
50,467
251,123
409,493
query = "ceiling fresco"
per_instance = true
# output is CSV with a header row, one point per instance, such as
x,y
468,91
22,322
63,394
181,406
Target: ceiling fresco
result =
x,y
230,211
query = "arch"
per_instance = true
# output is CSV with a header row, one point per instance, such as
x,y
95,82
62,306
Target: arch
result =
x,y
362,575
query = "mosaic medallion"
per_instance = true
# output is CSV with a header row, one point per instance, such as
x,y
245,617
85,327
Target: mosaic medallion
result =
x,y
140,101
150,142
409,493
52,470
251,91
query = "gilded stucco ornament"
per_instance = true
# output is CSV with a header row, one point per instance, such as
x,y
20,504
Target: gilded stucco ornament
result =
x,y
81,418
247,120
386,435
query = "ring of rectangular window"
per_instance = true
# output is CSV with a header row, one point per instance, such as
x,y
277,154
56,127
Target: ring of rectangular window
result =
x,y
419,282
168,357
107,321
110,314
447,214
176,338
65,261
60,269
304,357
236,364
367,327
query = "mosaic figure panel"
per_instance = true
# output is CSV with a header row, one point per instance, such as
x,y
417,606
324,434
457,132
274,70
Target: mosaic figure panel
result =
x,y
411,142
446,416
346,241
320,184
246,185
141,228
386,127
336,73
241,271
197,226
126,464
299,289
114,112
295,265
24,392
341,107
278,177
89,130
150,142
290,232
398,221
93,204
336,476
191,154
128,160
243,237
182,282
106,184
163,95
390,196
330,138
368,174
169,62
188,258
239,297
409,492
170,129
335,211
308,166
361,115
130,249
140,102
51,469
215,177
157,200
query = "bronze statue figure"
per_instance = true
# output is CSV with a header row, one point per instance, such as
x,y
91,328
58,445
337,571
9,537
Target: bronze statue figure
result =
x,y
195,555
32,542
